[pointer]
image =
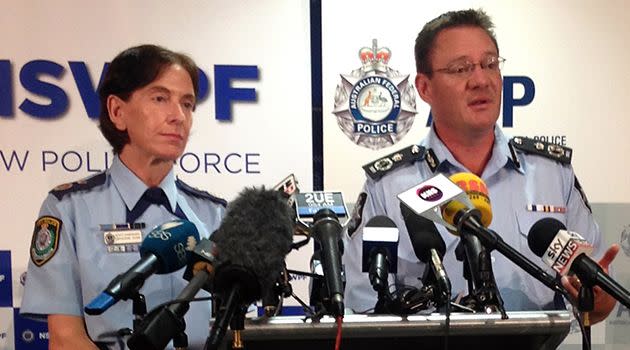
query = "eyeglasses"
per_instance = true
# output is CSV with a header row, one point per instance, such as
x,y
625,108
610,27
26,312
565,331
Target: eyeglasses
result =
x,y
464,68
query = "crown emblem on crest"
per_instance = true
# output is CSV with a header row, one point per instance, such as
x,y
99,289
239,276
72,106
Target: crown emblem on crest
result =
x,y
374,57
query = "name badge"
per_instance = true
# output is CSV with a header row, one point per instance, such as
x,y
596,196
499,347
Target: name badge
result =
x,y
122,238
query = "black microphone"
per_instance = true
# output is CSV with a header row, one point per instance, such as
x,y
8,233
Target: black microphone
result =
x,y
160,327
429,247
327,232
380,252
565,252
254,237
164,250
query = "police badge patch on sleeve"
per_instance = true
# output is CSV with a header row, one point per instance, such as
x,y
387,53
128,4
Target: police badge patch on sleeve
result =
x,y
45,239
357,214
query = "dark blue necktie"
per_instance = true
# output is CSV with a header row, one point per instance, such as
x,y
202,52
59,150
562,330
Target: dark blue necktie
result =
x,y
153,195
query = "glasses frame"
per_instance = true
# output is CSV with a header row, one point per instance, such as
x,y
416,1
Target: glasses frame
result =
x,y
469,67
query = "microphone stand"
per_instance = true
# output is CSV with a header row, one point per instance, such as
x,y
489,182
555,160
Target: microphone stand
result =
x,y
413,300
273,299
384,302
139,309
586,304
236,288
483,294
237,324
378,275
440,295
224,316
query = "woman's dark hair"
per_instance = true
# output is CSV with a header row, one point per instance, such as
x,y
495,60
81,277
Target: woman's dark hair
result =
x,y
131,70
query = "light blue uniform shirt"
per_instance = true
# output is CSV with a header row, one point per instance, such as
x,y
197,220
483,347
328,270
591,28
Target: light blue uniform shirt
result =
x,y
538,180
82,267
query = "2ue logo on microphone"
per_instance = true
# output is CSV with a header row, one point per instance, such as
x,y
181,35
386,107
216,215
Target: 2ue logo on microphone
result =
x,y
429,193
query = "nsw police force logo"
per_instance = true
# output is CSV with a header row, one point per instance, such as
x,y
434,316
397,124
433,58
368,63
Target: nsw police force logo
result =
x,y
375,105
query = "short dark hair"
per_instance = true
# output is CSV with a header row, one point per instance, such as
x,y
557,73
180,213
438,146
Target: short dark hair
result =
x,y
452,19
131,70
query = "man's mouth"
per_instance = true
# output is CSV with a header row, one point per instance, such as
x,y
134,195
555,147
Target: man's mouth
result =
x,y
479,102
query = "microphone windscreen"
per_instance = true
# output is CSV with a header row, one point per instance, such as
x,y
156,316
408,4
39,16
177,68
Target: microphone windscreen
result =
x,y
423,234
477,193
256,234
380,221
171,243
542,233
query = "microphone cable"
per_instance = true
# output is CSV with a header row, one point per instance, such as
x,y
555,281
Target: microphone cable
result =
x,y
338,337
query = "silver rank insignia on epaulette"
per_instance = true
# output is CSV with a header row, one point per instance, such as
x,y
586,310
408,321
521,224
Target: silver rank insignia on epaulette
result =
x,y
382,166
432,160
549,150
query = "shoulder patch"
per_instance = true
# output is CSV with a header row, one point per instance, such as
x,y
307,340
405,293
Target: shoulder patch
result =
x,y
81,185
184,187
357,214
548,150
45,241
382,166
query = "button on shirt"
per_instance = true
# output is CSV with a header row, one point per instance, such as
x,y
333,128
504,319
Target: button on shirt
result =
x,y
512,187
82,267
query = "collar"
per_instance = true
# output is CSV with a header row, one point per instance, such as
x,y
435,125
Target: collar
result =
x,y
131,187
501,155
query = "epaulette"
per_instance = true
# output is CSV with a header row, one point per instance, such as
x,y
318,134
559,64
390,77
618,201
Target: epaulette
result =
x,y
81,185
181,185
548,150
382,166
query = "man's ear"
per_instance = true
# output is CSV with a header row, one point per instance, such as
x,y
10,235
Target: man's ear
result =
x,y
423,87
116,112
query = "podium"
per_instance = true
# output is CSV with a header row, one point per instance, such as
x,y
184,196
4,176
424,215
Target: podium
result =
x,y
523,330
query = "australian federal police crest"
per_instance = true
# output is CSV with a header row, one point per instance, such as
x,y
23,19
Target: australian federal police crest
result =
x,y
375,105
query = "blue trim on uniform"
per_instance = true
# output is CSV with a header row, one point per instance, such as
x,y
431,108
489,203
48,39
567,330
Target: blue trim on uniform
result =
x,y
81,185
184,187
316,92
286,311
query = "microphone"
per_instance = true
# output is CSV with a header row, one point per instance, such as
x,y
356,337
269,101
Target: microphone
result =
x,y
565,252
160,327
327,232
472,221
202,259
477,193
380,252
255,236
430,248
483,291
164,250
